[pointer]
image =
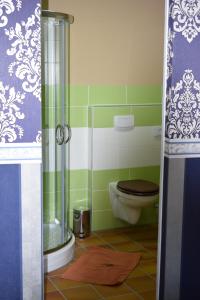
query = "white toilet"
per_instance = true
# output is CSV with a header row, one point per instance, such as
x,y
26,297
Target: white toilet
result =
x,y
130,196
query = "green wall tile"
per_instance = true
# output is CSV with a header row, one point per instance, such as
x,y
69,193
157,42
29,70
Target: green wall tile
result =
x,y
101,179
79,95
147,115
100,200
100,195
71,218
107,95
147,173
48,95
49,183
78,179
90,111
144,94
52,206
52,181
149,215
67,114
52,116
81,116
105,220
54,95
78,116
143,115
78,197
49,207
103,116
49,117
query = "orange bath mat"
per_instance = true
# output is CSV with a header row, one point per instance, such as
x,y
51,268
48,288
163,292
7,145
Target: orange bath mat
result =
x,y
102,266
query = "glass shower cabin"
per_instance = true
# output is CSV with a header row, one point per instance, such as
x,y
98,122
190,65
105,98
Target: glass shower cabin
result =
x,y
58,239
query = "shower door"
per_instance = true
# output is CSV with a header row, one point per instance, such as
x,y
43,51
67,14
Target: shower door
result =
x,y
56,131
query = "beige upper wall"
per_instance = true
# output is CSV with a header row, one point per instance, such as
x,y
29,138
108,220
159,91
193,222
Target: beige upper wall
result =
x,y
115,41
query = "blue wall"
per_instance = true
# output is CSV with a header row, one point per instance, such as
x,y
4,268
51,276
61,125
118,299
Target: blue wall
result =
x,y
191,226
10,233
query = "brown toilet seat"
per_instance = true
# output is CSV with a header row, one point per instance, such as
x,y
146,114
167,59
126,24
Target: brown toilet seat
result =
x,y
138,187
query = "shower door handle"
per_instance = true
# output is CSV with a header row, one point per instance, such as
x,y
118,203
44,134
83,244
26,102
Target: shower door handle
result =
x,y
67,137
60,135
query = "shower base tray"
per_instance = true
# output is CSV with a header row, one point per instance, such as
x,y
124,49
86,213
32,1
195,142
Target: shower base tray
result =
x,y
59,258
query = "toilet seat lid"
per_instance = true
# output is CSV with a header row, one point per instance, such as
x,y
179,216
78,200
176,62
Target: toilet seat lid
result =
x,y
138,187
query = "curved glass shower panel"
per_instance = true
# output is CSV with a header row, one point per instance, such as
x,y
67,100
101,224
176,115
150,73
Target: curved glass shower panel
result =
x,y
55,44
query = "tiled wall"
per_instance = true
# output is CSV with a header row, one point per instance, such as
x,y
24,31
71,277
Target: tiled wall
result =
x,y
83,96
89,112
110,65
102,216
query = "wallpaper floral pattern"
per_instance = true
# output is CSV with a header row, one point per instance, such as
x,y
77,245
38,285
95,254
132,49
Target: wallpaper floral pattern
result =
x,y
183,82
183,108
186,18
20,68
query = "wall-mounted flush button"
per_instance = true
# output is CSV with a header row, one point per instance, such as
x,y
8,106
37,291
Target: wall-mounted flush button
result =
x,y
124,122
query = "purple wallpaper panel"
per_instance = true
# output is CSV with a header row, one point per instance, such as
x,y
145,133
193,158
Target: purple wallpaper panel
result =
x,y
182,130
20,71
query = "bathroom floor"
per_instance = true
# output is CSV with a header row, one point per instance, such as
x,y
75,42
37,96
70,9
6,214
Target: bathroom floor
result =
x,y
141,283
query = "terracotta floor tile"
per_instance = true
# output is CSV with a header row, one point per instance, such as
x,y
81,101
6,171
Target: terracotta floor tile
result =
x,y
90,241
143,235
53,296
117,231
130,296
112,237
102,245
149,267
137,272
63,284
116,290
141,284
127,246
146,262
48,286
149,244
151,295
148,254
78,252
122,239
57,272
81,293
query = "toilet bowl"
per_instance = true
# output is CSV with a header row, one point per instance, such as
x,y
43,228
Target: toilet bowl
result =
x,y
130,196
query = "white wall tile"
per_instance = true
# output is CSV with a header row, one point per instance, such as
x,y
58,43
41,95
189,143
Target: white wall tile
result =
x,y
79,149
125,149
107,148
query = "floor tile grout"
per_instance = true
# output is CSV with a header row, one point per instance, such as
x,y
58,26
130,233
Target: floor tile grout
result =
x,y
135,292
57,290
98,293
117,239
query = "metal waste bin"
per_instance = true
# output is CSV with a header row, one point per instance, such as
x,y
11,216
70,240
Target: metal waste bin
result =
x,y
81,222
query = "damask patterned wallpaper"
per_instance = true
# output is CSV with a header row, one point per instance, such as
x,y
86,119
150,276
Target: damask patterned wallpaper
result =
x,y
183,81
20,79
